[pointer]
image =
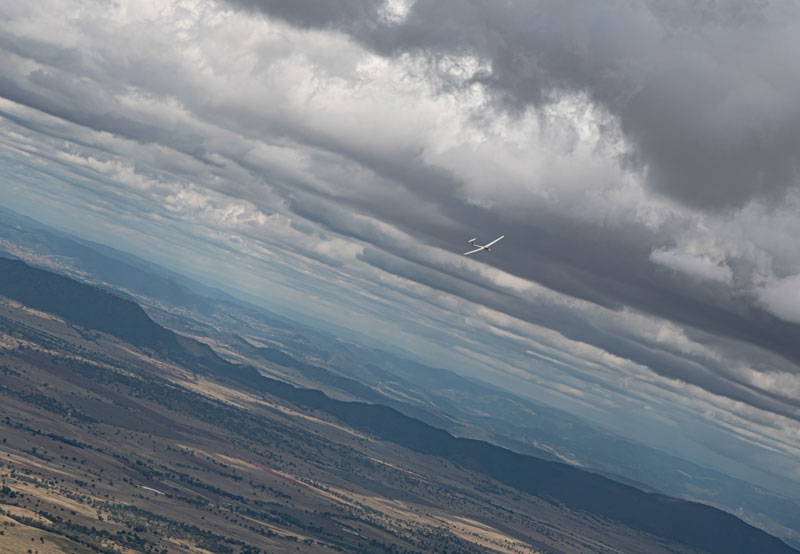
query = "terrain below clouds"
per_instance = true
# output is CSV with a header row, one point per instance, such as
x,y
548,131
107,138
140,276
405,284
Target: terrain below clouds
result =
x,y
348,370
36,342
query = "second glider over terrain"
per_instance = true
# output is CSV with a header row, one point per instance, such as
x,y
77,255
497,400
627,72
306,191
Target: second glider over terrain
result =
x,y
479,247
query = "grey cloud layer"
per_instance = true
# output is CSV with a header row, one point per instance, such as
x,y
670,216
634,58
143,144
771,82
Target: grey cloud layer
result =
x,y
302,155
706,93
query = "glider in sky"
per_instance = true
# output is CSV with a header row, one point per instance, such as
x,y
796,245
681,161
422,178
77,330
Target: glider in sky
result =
x,y
479,247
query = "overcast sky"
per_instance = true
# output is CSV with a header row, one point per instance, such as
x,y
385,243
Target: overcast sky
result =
x,y
641,157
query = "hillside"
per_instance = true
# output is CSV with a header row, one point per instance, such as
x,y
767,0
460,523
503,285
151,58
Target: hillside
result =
x,y
94,308
559,485
348,368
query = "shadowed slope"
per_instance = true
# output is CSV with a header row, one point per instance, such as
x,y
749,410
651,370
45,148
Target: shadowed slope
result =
x,y
94,308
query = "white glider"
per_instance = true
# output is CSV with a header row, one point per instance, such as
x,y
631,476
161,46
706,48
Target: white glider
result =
x,y
479,247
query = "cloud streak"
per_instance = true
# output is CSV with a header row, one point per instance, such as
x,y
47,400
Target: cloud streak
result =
x,y
639,157
704,95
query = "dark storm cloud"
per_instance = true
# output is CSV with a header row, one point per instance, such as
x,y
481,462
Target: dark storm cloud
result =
x,y
350,14
706,92
81,104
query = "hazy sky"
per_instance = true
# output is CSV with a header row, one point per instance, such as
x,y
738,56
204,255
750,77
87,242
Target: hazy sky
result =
x,y
641,157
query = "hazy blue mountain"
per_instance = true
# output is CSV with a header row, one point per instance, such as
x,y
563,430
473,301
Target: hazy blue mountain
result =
x,y
107,267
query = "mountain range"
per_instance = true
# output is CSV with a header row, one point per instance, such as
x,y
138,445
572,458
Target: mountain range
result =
x,y
284,351
677,521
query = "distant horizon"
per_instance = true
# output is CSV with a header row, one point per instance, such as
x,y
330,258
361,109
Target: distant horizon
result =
x,y
642,160
301,318
326,327
97,364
